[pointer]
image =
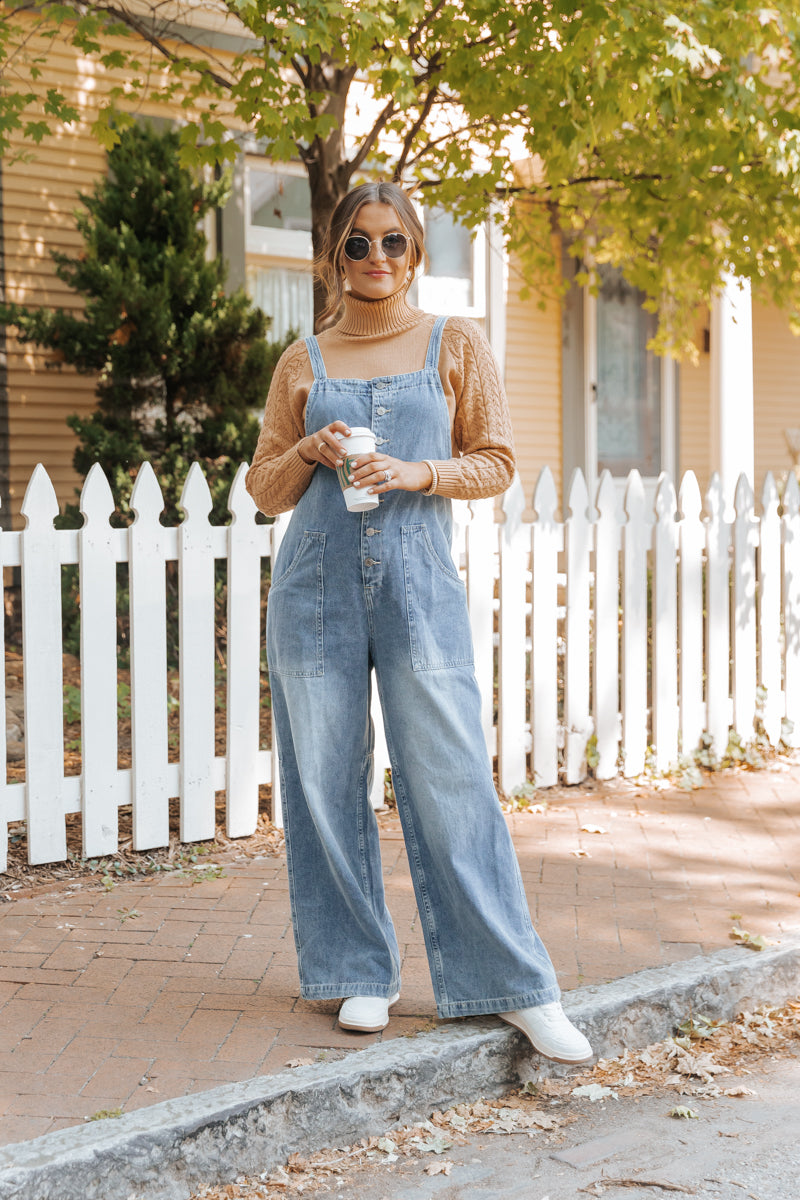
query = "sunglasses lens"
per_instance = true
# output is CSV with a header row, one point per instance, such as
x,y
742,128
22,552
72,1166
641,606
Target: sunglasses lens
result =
x,y
356,248
394,245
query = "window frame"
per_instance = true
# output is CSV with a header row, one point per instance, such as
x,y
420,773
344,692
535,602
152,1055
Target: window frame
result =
x,y
267,242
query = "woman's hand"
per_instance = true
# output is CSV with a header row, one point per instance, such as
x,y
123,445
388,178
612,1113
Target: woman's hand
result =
x,y
370,472
324,446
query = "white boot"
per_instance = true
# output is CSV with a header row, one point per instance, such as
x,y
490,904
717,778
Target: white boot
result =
x,y
366,1014
551,1032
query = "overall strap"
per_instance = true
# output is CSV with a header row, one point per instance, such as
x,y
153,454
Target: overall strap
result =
x,y
435,345
317,365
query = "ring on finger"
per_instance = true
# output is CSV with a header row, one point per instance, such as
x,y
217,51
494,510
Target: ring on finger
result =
x,y
387,475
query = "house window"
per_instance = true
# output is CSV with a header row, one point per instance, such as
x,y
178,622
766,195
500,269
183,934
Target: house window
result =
x,y
454,283
629,385
286,296
279,279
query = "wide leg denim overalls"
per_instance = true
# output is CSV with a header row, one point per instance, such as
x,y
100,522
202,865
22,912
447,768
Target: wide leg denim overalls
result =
x,y
352,591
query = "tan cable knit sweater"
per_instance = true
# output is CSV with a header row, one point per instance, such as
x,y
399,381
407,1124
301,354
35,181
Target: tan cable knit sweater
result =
x,y
389,337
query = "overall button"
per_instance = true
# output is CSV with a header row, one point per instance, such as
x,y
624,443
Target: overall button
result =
x,y
372,562
381,385
381,441
370,532
381,411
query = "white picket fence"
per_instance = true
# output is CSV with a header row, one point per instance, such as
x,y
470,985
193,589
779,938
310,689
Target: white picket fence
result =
x,y
567,645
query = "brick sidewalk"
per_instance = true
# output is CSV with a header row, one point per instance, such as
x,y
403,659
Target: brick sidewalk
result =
x,y
168,985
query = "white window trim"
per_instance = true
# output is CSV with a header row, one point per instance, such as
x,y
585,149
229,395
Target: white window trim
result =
x,y
476,310
275,243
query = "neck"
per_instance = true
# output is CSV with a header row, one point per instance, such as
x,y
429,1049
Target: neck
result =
x,y
371,318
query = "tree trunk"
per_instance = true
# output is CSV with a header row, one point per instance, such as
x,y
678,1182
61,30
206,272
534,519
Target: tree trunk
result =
x,y
324,198
329,171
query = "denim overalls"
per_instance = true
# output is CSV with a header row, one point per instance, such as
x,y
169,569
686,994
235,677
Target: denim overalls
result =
x,y
352,591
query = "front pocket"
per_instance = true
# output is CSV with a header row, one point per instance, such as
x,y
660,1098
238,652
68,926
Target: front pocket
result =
x,y
436,605
295,612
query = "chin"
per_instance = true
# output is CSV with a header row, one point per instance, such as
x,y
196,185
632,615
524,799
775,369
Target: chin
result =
x,y
377,289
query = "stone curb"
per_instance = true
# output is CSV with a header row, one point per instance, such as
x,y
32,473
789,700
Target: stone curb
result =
x,y
166,1151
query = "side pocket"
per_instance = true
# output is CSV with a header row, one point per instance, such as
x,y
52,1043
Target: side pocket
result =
x,y
439,631
295,643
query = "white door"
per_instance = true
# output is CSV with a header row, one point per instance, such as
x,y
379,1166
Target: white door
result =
x,y
630,393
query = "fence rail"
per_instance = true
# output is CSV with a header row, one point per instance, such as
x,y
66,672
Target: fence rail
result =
x,y
645,627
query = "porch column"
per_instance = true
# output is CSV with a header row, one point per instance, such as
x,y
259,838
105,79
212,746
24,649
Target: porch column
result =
x,y
732,432
496,293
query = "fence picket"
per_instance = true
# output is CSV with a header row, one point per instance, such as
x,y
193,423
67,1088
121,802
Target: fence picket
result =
x,y
481,547
243,661
635,544
790,568
745,538
718,606
577,544
545,547
98,604
3,748
196,659
691,538
511,755
769,608
277,531
42,673
380,751
606,628
148,604
665,626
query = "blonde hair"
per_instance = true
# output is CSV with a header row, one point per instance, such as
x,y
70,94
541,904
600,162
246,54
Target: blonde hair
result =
x,y
328,263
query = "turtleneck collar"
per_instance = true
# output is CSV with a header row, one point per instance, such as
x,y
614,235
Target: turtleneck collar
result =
x,y
373,318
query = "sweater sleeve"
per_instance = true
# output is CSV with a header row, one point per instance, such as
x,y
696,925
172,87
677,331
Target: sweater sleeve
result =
x,y
482,424
278,476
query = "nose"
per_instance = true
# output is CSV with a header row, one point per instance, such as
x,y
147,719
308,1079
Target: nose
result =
x,y
376,251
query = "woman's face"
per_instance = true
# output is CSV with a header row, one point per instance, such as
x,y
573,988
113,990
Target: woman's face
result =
x,y
377,276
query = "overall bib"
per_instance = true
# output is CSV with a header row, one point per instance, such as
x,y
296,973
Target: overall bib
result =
x,y
353,591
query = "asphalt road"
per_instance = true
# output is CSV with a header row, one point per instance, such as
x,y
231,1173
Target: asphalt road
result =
x,y
744,1148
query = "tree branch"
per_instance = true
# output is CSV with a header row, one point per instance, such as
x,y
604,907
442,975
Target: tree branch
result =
x,y
414,130
140,27
302,75
371,138
414,37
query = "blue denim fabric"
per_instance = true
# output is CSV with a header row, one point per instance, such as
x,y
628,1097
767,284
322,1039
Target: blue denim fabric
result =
x,y
353,591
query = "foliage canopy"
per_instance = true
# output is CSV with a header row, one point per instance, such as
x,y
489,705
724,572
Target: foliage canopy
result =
x,y
661,136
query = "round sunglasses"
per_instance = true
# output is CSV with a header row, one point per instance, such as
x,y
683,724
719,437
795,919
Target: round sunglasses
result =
x,y
357,247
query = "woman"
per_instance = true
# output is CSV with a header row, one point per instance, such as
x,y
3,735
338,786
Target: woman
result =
x,y
352,591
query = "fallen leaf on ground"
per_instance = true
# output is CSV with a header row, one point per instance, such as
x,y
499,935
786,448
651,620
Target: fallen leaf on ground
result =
x,y
435,1145
753,941
440,1168
680,1112
581,853
593,829
594,1091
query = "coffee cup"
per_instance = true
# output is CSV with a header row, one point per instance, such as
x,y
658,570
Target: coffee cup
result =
x,y
360,441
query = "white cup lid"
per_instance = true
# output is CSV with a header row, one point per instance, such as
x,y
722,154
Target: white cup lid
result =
x,y
357,431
